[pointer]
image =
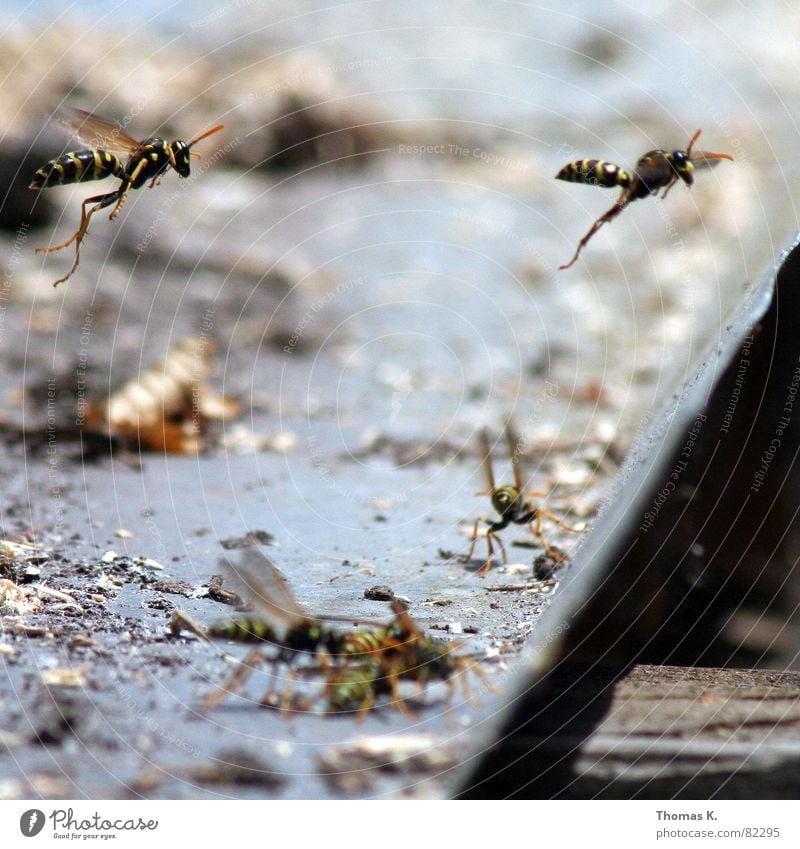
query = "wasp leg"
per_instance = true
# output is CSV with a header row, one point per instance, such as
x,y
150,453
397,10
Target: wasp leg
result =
x,y
366,706
449,716
129,181
101,202
474,539
532,494
537,530
465,689
612,213
670,184
486,568
538,512
560,522
489,535
286,695
287,702
471,665
246,668
393,681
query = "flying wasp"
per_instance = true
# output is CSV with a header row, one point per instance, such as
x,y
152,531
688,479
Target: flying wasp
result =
x,y
512,503
656,170
146,160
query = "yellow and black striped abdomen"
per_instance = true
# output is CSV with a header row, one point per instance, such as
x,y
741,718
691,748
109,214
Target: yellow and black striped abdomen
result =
x,y
595,172
243,629
78,167
353,688
361,643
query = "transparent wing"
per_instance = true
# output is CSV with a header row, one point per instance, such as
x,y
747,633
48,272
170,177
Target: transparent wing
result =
x,y
265,586
705,159
94,131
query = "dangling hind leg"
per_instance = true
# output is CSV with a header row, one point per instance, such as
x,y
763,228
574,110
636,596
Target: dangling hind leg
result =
x,y
101,202
622,201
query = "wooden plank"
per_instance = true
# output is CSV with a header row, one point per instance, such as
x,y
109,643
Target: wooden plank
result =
x,y
651,732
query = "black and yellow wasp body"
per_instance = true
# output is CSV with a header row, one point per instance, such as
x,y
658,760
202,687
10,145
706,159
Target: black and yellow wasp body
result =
x,y
354,689
656,170
406,653
145,160
512,503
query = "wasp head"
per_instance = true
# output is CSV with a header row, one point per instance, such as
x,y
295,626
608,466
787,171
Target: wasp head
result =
x,y
506,499
682,165
180,158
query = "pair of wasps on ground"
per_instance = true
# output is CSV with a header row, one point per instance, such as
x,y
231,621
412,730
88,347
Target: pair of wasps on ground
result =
x,y
360,665
150,159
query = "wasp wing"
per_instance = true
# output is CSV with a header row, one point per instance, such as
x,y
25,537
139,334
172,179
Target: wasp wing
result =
x,y
94,131
705,159
265,586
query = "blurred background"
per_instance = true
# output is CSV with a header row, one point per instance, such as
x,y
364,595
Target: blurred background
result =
x,y
373,243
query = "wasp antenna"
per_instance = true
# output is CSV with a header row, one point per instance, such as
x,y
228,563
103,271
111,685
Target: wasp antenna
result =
x,y
727,156
196,155
206,134
486,457
692,140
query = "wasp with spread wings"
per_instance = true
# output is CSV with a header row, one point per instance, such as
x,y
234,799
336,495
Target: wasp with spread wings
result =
x,y
656,170
512,503
108,142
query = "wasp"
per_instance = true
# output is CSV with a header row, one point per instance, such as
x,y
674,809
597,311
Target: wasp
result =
x,y
146,160
656,170
513,505
406,654
409,654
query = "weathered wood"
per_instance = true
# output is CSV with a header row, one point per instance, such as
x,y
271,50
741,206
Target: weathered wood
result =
x,y
655,732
